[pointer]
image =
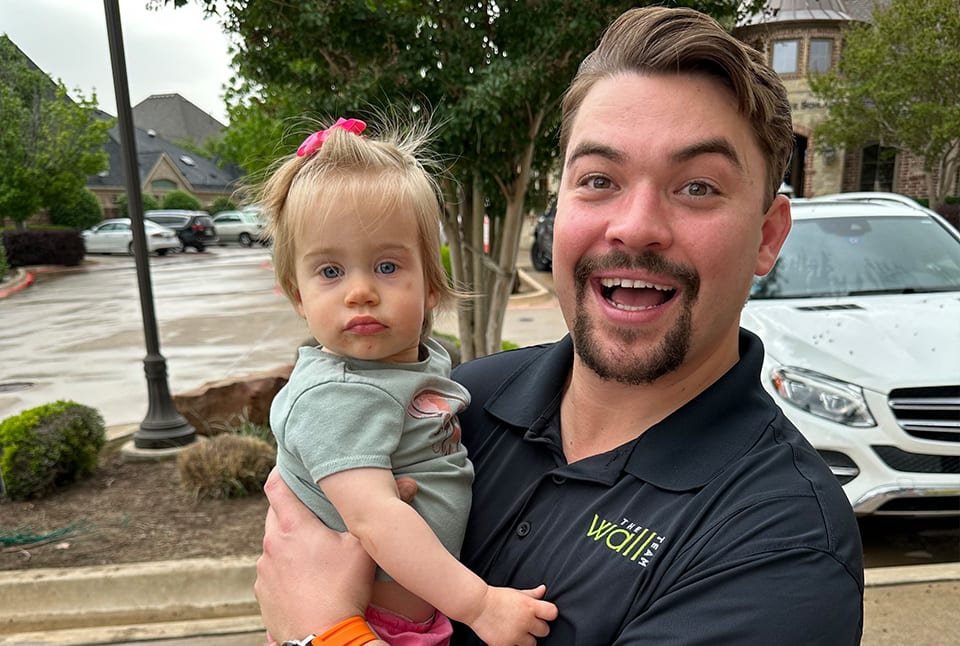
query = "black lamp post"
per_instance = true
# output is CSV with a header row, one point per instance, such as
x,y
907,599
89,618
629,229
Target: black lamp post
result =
x,y
163,427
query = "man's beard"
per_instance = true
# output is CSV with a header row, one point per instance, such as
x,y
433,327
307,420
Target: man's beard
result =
x,y
615,364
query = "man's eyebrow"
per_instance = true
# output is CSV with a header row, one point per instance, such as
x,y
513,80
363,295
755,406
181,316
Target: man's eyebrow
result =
x,y
588,148
717,146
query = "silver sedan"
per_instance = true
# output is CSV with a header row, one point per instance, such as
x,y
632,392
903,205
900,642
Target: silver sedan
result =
x,y
116,236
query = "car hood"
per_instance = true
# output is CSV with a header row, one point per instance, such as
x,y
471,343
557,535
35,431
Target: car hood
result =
x,y
877,342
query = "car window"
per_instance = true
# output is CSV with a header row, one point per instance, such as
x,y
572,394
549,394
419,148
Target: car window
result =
x,y
226,218
863,255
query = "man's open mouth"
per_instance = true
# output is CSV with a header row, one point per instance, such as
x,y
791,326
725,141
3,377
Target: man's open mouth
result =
x,y
634,295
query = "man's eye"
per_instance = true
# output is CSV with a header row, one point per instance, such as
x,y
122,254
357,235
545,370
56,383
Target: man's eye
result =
x,y
699,189
386,267
597,182
330,272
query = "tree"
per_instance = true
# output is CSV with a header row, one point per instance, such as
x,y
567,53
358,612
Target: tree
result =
x,y
181,200
148,202
80,210
898,85
49,143
490,73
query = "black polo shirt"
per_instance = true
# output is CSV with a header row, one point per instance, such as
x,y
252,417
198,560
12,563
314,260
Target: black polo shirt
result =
x,y
719,525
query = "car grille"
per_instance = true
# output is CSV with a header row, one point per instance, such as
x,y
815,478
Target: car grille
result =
x,y
928,413
916,462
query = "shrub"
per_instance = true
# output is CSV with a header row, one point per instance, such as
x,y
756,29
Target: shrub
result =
x,y
222,203
44,247
4,265
951,213
181,200
225,466
149,202
79,211
49,446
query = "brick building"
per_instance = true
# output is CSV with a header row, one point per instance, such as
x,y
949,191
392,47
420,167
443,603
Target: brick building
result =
x,y
801,37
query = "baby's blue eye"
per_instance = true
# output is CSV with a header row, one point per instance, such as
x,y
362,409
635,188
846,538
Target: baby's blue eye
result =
x,y
386,267
330,272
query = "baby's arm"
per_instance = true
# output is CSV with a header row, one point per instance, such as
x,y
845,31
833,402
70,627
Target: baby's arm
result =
x,y
401,542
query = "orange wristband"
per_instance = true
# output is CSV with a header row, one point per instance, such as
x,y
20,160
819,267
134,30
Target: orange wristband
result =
x,y
349,632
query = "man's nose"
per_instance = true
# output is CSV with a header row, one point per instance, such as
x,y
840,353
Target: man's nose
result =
x,y
643,220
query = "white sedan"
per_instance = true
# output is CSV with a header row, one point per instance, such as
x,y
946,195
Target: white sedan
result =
x,y
116,236
860,319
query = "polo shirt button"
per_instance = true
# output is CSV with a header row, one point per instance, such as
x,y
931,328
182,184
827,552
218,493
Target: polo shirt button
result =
x,y
523,529
558,480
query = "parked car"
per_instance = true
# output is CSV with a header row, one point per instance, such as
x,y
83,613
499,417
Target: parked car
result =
x,y
244,227
541,251
860,318
116,236
194,228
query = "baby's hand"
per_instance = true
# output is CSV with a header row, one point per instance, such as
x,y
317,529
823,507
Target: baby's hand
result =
x,y
511,617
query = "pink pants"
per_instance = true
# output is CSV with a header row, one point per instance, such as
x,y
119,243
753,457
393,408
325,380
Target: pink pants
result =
x,y
398,631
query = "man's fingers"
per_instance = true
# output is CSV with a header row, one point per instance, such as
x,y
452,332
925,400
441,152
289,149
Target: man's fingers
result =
x,y
407,487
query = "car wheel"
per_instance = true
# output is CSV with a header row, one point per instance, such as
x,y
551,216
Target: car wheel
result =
x,y
246,239
162,252
199,247
539,259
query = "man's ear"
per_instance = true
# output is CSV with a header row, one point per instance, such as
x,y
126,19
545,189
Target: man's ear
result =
x,y
773,232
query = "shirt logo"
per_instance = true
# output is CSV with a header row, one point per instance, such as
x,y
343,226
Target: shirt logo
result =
x,y
628,539
430,404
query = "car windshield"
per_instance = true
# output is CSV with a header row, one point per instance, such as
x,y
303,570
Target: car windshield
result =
x,y
851,256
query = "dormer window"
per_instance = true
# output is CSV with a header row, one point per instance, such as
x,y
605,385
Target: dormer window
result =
x,y
188,160
785,56
821,55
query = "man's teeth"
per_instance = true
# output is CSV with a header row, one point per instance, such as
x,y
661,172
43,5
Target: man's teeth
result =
x,y
632,284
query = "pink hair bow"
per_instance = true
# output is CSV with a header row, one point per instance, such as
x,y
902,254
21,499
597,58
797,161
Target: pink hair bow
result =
x,y
312,143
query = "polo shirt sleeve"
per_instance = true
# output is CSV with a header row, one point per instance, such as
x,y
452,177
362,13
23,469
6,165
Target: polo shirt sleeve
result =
x,y
334,427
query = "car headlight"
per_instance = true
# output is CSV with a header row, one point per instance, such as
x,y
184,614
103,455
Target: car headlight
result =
x,y
822,396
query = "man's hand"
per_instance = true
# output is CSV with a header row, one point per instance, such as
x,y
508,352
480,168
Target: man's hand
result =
x,y
309,577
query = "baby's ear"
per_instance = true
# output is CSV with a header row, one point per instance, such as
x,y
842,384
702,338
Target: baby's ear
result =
x,y
298,304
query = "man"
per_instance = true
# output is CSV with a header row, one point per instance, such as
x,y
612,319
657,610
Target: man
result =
x,y
637,467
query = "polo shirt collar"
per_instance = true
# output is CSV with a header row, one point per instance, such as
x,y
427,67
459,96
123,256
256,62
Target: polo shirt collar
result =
x,y
684,451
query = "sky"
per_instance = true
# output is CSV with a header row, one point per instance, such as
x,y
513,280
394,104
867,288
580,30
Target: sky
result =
x,y
166,51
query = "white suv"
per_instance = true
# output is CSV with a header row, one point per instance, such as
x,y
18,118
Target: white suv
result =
x,y
860,319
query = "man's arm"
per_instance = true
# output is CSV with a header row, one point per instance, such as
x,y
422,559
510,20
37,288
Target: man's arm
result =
x,y
309,577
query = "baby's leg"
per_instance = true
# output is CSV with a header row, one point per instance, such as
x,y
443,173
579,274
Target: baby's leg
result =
x,y
391,596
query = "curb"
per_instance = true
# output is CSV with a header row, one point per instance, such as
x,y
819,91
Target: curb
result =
x,y
21,280
191,597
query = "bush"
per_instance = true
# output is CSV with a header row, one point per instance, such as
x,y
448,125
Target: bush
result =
x,y
80,211
951,213
44,247
181,200
222,204
225,466
149,202
49,446
4,265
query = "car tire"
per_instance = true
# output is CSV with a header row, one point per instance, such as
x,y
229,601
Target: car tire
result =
x,y
130,248
199,247
539,259
246,239
162,252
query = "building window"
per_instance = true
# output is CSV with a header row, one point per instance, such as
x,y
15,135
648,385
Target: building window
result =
x,y
163,185
878,168
785,56
821,55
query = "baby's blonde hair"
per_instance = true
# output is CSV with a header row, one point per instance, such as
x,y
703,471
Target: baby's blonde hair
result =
x,y
385,172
